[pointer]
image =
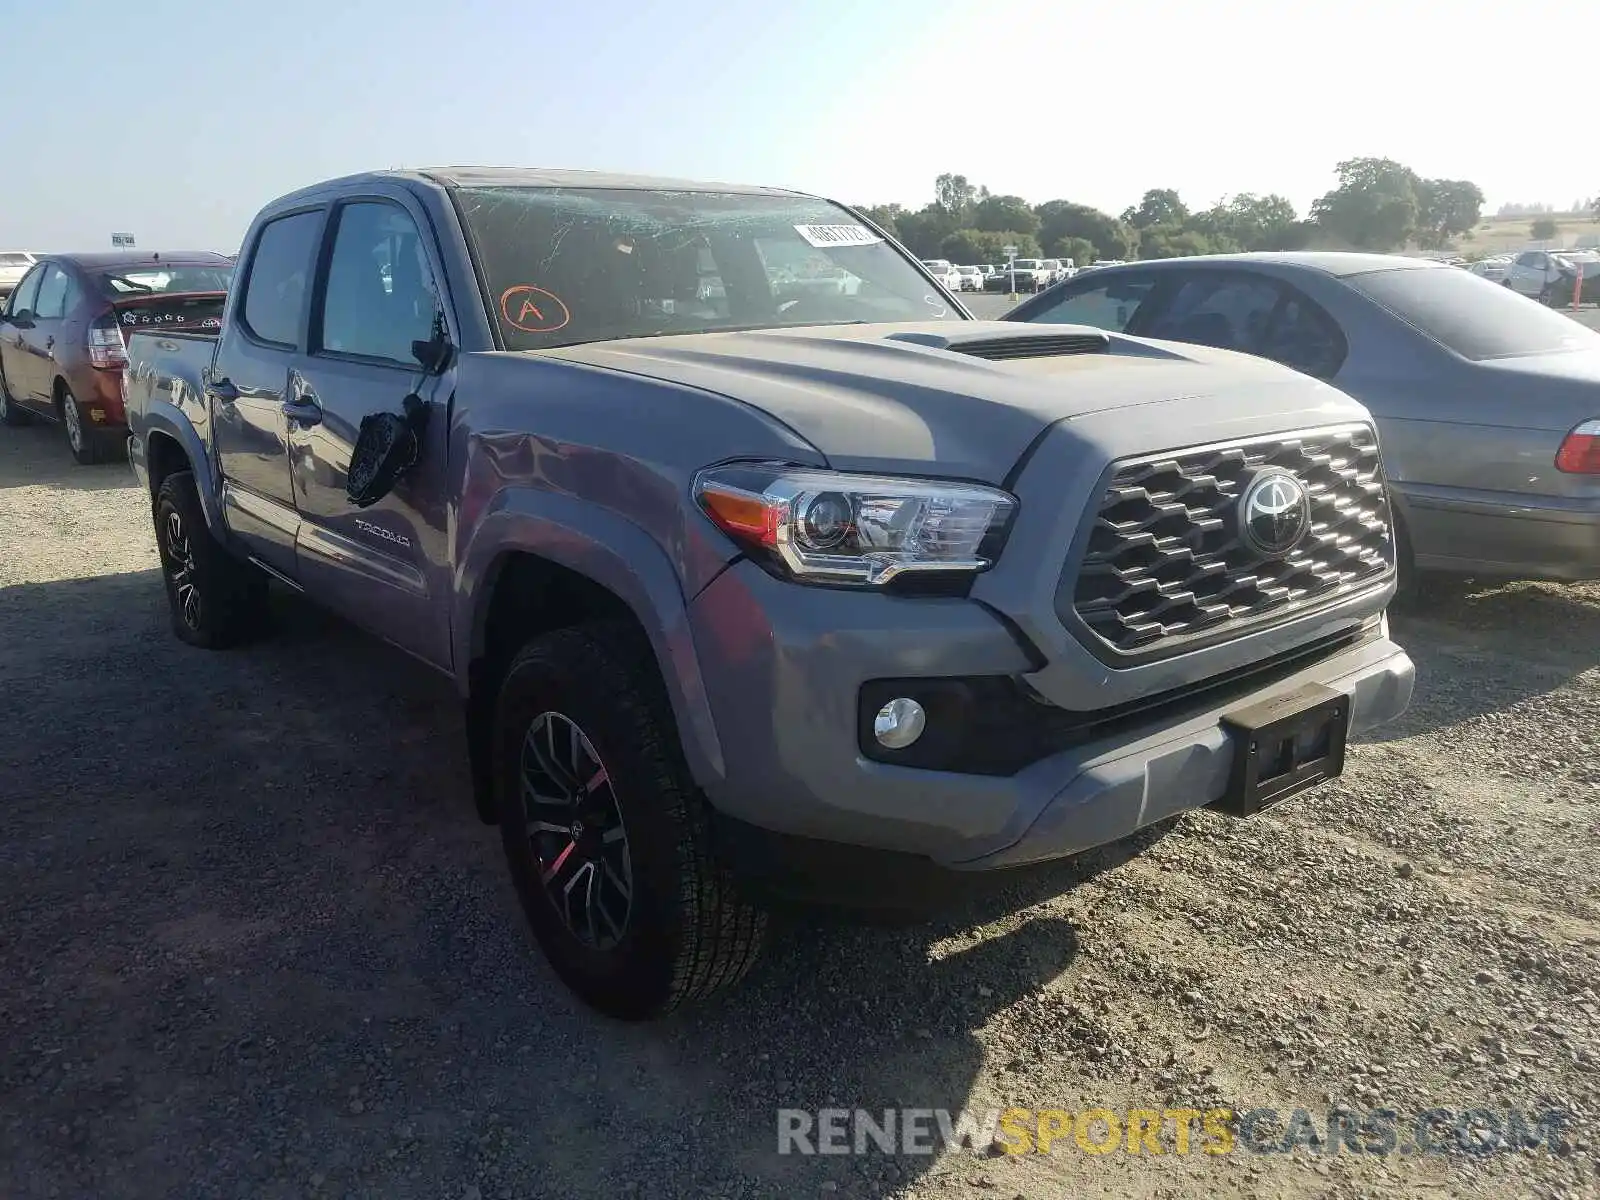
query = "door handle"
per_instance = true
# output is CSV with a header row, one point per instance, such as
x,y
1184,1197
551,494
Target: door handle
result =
x,y
303,410
223,390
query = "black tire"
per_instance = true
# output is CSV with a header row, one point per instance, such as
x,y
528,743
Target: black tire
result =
x,y
686,932
10,413
216,600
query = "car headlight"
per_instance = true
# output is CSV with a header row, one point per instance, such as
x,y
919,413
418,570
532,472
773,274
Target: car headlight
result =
x,y
829,527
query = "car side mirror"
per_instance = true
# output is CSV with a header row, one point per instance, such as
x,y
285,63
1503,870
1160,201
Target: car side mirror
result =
x,y
434,355
22,318
387,446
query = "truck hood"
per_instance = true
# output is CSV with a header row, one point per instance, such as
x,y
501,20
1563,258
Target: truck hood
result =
x,y
965,399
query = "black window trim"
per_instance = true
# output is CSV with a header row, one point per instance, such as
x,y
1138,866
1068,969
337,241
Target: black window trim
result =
x,y
320,210
427,238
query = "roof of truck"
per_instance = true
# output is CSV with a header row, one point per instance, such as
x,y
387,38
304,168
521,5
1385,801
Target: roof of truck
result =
x,y
537,177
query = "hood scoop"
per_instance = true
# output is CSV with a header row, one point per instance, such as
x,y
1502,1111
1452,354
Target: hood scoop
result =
x,y
1046,343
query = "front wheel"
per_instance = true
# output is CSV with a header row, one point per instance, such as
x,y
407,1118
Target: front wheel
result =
x,y
216,600
607,837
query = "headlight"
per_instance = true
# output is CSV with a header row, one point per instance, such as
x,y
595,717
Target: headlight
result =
x,y
826,527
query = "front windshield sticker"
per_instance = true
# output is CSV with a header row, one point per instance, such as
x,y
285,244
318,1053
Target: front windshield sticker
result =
x,y
532,309
826,237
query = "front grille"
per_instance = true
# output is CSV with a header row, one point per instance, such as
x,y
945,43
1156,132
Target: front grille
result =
x,y
1167,564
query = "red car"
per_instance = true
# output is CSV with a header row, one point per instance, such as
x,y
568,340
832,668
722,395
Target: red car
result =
x,y
61,335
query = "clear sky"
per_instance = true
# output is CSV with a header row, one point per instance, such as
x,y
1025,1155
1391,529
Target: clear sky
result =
x,y
175,119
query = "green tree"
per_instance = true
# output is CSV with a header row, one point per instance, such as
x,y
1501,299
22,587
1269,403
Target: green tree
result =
x,y
922,231
1374,207
1079,250
987,245
996,214
956,195
885,216
1173,241
1250,222
1543,229
1160,206
1446,208
1060,220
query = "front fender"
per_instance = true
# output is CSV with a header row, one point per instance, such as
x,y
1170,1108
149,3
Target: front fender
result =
x,y
162,419
614,553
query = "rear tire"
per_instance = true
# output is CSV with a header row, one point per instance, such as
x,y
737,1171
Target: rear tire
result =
x,y
87,444
216,600
597,808
10,413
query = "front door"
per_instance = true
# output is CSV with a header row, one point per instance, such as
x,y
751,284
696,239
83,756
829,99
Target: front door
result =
x,y
16,360
249,390
384,566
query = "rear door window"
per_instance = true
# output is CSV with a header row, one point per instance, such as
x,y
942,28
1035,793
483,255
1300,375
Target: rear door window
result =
x,y
1304,337
1227,311
279,285
1108,303
53,294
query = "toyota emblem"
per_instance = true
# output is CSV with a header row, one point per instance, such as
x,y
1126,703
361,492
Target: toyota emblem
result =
x,y
1274,513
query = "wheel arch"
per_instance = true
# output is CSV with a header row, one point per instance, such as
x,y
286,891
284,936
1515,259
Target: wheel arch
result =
x,y
167,443
526,573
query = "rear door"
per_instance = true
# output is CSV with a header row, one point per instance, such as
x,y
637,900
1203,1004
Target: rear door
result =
x,y
15,361
262,346
382,566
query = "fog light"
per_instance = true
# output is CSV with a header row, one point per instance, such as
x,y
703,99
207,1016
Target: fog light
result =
x,y
97,414
899,723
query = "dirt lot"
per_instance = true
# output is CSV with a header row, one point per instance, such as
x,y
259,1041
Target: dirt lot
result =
x,y
254,943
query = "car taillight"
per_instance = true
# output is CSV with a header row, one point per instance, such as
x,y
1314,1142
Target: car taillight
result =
x,y
1580,450
106,347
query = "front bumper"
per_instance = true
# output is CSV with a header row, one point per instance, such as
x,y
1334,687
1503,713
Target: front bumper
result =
x,y
784,666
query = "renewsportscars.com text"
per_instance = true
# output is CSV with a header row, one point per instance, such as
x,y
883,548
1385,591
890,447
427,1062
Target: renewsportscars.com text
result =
x,y
1214,1131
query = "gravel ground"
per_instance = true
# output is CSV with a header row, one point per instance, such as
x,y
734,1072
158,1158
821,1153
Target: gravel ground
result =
x,y
254,943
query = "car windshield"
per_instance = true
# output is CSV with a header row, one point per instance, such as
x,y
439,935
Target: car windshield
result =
x,y
1027,264
570,265
1477,319
144,281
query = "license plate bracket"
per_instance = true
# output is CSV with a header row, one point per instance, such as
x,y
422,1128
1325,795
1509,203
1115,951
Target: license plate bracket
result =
x,y
1283,745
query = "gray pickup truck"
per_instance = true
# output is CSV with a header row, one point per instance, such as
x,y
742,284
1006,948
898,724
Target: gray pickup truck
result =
x,y
752,589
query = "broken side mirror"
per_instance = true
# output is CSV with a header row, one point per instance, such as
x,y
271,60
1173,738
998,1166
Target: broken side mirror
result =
x,y
387,446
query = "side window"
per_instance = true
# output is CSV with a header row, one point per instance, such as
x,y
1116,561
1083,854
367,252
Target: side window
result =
x,y
1230,312
1106,304
279,282
1304,337
380,296
1529,259
52,302
27,292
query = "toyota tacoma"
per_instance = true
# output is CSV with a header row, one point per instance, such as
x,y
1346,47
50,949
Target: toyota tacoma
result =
x,y
744,584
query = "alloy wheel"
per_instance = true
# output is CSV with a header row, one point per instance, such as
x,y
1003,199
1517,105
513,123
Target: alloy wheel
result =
x,y
69,414
576,829
181,555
